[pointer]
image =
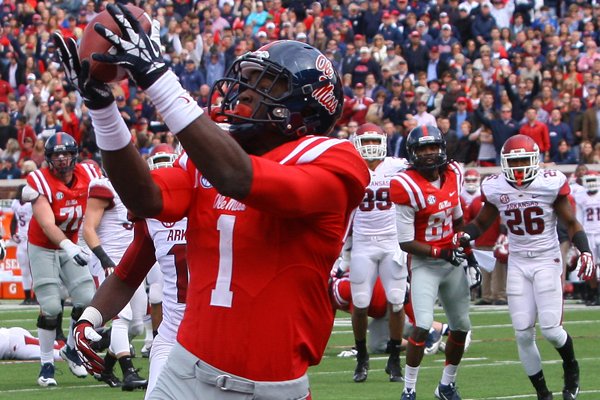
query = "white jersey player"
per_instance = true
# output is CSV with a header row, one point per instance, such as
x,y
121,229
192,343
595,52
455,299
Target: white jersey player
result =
x,y
588,209
529,200
375,251
108,233
22,214
471,188
19,344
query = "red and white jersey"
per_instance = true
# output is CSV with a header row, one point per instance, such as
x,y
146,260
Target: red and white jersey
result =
x,y
164,242
528,213
467,198
115,231
435,207
376,214
23,213
68,203
588,211
259,268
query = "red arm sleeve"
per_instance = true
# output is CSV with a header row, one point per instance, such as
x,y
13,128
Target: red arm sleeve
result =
x,y
565,189
138,258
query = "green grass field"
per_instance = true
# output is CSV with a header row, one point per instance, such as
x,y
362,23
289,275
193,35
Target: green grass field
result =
x,y
490,369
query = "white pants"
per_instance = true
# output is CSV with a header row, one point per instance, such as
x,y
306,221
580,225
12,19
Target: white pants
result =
x,y
159,354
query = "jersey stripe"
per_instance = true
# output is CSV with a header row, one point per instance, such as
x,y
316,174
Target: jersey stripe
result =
x,y
90,171
458,172
183,159
411,195
316,151
414,188
42,184
301,147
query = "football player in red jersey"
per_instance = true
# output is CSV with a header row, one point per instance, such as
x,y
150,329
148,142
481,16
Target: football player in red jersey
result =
x,y
268,206
529,200
428,211
59,195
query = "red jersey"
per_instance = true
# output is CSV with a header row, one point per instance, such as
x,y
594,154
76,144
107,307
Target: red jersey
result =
x,y
434,207
538,131
259,268
68,203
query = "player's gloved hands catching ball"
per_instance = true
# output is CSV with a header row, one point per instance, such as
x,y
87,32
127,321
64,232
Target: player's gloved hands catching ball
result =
x,y
135,50
96,94
450,254
586,265
84,334
77,253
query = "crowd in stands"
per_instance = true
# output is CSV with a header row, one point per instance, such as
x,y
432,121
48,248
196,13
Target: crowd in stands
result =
x,y
481,71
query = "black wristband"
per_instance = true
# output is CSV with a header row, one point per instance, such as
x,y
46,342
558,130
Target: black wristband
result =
x,y
105,260
472,230
580,241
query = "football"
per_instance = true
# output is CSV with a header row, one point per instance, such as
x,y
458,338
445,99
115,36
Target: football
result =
x,y
92,42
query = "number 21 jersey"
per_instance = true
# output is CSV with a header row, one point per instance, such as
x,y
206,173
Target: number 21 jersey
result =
x,y
528,213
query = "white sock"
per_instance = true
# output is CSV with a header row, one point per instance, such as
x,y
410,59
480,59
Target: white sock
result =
x,y
449,374
70,338
119,336
46,337
410,377
148,327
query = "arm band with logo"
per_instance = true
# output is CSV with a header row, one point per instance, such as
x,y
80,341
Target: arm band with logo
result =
x,y
580,241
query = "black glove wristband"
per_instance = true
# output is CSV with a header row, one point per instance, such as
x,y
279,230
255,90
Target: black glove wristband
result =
x,y
580,241
105,260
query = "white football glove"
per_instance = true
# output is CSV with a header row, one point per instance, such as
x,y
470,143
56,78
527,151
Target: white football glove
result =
x,y
586,265
77,253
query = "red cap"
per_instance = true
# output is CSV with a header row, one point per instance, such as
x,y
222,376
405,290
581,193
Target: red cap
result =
x,y
29,46
386,15
409,94
434,49
415,34
238,25
461,99
395,12
358,36
359,85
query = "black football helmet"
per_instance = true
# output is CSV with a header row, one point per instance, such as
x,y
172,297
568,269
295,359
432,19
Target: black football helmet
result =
x,y
425,135
61,143
310,105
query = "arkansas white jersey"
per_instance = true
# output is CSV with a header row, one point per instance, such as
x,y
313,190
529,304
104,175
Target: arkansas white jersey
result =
x,y
467,198
6,350
588,211
23,213
115,230
170,250
376,214
528,213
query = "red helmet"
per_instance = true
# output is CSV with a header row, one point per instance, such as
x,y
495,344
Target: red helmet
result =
x,y
371,142
472,180
520,147
162,155
591,181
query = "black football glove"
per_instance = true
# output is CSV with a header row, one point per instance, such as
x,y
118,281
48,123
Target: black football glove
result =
x,y
135,50
95,94
472,271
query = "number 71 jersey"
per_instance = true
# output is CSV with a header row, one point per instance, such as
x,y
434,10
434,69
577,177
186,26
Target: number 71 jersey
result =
x,y
528,213
375,214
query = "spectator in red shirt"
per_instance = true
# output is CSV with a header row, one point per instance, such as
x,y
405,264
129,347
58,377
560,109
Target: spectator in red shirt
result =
x,y
5,90
537,131
359,104
69,120
24,130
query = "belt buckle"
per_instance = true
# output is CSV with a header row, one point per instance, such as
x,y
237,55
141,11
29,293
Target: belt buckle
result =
x,y
221,381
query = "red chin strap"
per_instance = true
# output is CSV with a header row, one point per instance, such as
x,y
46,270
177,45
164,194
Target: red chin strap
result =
x,y
241,109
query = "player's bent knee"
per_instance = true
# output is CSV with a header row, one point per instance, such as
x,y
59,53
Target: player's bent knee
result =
x,y
521,321
76,313
48,323
361,300
396,297
525,337
555,335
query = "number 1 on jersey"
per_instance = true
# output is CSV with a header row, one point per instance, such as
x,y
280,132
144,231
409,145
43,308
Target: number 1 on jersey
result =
x,y
221,295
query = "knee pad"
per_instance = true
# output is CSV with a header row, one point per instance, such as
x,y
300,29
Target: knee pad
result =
x,y
555,335
48,323
525,337
76,313
361,300
155,294
396,298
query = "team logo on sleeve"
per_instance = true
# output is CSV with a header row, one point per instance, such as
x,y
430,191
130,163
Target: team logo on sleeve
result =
x,y
205,183
431,199
504,199
59,195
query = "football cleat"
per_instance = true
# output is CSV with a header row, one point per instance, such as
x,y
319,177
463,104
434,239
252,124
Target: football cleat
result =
x,y
132,381
109,378
432,343
69,354
146,351
545,396
447,392
46,377
394,370
571,388
362,369
408,394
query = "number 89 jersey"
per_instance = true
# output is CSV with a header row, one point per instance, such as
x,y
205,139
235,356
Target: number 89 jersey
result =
x,y
375,215
435,208
528,213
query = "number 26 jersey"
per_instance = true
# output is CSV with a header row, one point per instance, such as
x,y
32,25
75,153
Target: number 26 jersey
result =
x,y
528,213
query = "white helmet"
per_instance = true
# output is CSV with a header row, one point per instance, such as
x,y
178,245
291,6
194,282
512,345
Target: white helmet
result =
x,y
591,181
163,155
520,147
472,180
371,142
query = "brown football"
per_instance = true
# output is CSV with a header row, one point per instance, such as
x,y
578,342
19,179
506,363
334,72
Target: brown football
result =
x,y
92,42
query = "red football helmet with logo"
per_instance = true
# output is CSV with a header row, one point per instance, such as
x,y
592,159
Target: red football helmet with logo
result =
x,y
162,155
371,142
526,151
472,180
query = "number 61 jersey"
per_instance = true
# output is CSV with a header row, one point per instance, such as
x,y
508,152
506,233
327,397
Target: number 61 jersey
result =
x,y
528,213
375,215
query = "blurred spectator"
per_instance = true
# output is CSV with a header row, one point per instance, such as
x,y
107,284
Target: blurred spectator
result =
x,y
7,130
24,130
460,115
501,128
38,154
125,110
5,90
13,71
415,53
591,128
538,131
375,110
586,152
69,120
564,154
359,105
422,116
28,167
48,125
9,169
483,24
258,17
558,131
364,66
13,149
214,63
